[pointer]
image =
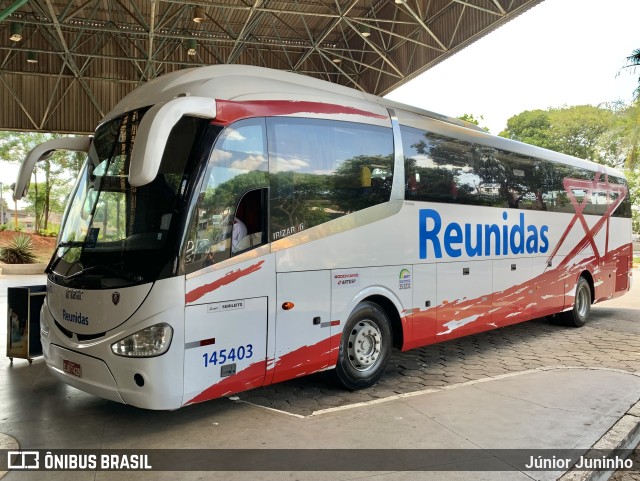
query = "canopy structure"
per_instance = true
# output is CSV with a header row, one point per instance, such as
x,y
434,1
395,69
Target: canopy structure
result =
x,y
65,63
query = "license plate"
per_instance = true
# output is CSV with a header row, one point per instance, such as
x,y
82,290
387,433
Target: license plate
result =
x,y
72,368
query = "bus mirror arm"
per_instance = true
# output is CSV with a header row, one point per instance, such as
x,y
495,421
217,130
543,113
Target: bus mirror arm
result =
x,y
42,152
154,130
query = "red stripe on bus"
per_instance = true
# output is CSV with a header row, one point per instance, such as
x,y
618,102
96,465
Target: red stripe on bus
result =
x,y
252,376
302,361
228,111
590,186
543,295
228,278
307,359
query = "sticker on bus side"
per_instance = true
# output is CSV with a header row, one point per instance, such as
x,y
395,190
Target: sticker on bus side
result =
x,y
225,306
404,281
346,279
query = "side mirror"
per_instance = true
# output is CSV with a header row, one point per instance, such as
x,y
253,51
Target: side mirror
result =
x,y
42,152
154,130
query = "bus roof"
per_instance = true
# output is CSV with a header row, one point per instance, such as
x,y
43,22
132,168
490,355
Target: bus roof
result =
x,y
245,83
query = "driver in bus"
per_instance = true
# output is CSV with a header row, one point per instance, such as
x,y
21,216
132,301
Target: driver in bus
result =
x,y
239,232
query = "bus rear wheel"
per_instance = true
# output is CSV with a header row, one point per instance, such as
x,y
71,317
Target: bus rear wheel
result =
x,y
365,347
579,315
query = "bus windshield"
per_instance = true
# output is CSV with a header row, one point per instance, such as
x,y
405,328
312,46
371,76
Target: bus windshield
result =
x,y
116,235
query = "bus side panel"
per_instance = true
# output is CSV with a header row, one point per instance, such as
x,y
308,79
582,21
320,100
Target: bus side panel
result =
x,y
227,329
605,281
425,302
465,298
349,287
511,306
225,348
303,327
548,286
622,274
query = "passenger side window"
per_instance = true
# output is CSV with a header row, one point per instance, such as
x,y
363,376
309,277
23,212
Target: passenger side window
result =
x,y
232,202
324,169
444,169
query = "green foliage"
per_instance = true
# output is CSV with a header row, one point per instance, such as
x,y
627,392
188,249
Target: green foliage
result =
x,y
18,251
3,227
48,232
609,134
52,178
633,179
472,120
620,145
633,62
573,130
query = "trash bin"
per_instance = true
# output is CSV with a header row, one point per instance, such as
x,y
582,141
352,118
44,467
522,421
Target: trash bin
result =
x,y
23,321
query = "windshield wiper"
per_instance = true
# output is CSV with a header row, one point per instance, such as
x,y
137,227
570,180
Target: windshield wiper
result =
x,y
53,262
106,269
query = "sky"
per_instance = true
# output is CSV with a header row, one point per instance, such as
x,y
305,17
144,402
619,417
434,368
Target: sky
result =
x,y
560,52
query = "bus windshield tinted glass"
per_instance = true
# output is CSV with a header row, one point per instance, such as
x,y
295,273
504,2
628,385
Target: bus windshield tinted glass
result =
x,y
109,222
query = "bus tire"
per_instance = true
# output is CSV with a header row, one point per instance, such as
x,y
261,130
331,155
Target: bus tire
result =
x,y
579,314
365,347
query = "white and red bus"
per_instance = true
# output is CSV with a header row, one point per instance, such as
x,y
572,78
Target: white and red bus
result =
x,y
234,226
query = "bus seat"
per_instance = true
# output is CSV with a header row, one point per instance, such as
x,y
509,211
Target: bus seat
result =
x,y
248,241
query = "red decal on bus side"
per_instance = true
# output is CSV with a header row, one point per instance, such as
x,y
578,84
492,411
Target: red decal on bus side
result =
x,y
304,360
307,359
229,111
596,185
228,278
543,295
249,378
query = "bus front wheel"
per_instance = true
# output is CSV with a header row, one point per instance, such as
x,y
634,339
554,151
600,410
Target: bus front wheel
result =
x,y
578,316
365,347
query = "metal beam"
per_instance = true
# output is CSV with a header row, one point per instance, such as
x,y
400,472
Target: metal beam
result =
x,y
69,60
325,34
12,8
423,25
248,27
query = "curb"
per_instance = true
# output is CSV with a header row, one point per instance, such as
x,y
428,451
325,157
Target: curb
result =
x,y
22,269
7,443
621,439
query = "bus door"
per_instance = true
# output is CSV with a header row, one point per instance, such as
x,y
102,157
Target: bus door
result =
x,y
303,324
226,329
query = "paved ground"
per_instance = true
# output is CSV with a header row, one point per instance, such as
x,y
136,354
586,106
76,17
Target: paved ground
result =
x,y
627,475
610,340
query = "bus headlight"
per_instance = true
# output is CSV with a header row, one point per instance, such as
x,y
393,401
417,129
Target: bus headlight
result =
x,y
149,342
44,327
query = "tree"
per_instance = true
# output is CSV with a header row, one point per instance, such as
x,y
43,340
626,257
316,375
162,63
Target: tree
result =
x,y
532,127
38,197
572,130
633,61
472,120
620,145
609,134
58,171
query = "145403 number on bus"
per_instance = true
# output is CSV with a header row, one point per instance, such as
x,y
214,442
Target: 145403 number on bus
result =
x,y
223,355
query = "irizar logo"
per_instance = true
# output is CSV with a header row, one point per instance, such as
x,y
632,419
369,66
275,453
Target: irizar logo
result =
x,y
74,294
479,240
